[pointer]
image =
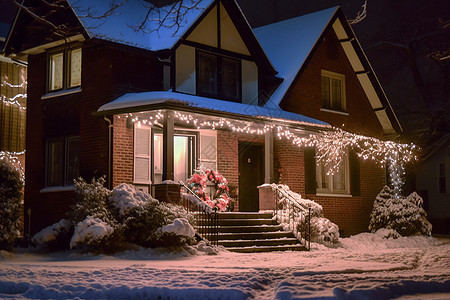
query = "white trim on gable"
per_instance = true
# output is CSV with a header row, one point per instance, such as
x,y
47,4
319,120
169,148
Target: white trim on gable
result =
x,y
362,75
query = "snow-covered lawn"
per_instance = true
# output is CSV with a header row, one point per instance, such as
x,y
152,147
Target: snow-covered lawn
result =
x,y
363,267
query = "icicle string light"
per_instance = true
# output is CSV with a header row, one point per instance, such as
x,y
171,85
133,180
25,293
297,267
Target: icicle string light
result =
x,y
13,158
331,145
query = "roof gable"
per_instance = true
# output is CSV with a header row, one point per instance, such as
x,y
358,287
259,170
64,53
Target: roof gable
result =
x,y
291,43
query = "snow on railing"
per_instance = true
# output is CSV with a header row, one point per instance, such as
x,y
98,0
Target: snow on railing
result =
x,y
303,217
294,212
206,217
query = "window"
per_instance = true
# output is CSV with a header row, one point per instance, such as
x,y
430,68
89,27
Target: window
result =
x,y
64,69
442,185
142,139
333,91
62,161
218,76
208,149
337,183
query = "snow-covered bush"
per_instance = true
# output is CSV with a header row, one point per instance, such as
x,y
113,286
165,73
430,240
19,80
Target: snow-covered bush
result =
x,y
126,197
11,204
92,234
142,225
323,230
92,200
404,215
92,212
54,237
181,227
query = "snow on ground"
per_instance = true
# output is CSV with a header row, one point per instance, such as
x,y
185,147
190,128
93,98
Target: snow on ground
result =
x,y
362,267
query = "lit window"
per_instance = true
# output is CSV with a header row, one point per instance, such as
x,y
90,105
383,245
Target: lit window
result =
x,y
64,69
62,161
333,91
337,183
218,76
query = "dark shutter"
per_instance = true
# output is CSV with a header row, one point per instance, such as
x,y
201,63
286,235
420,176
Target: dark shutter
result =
x,y
310,170
355,181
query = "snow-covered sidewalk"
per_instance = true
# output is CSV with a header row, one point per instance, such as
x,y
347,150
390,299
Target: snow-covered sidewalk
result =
x,y
363,267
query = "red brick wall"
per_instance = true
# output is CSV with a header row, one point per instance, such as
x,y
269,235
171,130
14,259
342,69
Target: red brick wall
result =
x,y
305,96
290,161
106,75
123,152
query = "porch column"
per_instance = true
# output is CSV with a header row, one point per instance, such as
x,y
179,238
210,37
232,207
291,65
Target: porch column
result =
x,y
168,145
268,157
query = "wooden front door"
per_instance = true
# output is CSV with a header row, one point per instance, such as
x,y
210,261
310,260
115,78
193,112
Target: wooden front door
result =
x,y
251,174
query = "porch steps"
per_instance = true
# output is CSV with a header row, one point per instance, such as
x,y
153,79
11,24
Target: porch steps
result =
x,y
254,232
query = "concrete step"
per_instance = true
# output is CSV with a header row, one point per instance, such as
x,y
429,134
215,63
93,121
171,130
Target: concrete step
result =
x,y
255,235
296,247
245,215
258,242
246,222
254,228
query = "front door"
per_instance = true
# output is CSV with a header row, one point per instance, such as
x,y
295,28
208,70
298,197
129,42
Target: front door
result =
x,y
251,174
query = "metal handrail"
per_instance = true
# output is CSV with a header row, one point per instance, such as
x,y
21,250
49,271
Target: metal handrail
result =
x,y
206,217
293,206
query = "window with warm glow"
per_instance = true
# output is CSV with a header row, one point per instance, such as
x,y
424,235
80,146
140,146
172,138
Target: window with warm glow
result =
x,y
62,161
64,69
336,183
333,91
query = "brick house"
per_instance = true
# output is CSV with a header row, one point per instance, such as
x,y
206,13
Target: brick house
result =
x,y
210,91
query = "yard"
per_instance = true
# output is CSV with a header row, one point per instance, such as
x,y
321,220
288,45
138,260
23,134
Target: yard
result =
x,y
361,267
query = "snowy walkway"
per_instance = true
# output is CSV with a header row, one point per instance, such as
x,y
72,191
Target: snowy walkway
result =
x,y
364,267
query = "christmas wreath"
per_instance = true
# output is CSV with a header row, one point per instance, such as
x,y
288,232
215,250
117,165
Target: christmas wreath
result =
x,y
198,181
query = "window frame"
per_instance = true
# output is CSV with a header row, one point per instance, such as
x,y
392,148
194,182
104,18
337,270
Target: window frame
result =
x,y
331,190
219,75
333,75
66,68
65,161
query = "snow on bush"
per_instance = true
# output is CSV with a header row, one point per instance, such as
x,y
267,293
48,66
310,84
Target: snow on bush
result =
x,y
126,196
90,232
404,215
180,226
92,200
51,235
293,212
11,204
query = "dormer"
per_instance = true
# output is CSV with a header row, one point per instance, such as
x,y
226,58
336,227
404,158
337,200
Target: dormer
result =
x,y
219,57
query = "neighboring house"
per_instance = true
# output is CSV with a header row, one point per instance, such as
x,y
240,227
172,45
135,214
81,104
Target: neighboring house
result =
x,y
142,108
433,184
13,97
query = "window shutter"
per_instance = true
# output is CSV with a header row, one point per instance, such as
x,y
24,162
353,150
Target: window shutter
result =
x,y
355,180
142,155
310,170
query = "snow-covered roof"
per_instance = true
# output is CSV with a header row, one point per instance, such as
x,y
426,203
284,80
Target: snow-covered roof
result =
x,y
134,102
118,27
288,44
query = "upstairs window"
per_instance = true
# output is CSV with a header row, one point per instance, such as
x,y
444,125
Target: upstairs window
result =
x,y
218,76
64,69
333,91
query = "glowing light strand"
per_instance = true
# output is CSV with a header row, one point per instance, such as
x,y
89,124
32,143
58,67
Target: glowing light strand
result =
x,y
331,145
15,99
